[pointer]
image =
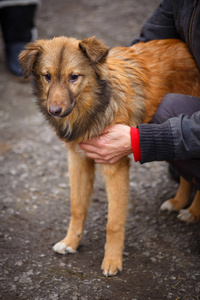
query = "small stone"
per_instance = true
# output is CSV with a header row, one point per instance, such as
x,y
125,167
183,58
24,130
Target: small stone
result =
x,y
19,263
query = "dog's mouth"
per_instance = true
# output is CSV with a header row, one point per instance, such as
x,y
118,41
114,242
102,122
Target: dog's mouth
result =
x,y
58,112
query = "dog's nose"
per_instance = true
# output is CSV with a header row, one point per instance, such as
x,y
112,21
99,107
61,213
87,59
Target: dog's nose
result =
x,y
55,110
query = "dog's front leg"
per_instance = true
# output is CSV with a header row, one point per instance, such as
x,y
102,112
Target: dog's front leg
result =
x,y
117,185
81,171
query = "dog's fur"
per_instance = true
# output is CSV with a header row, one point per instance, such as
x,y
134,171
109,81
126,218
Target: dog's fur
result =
x,y
95,87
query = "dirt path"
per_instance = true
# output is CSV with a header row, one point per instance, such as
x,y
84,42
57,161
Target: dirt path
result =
x,y
161,256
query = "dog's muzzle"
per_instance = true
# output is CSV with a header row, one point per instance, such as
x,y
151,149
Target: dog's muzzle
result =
x,y
55,110
58,112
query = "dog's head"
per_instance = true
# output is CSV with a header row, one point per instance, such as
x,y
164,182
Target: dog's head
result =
x,y
63,69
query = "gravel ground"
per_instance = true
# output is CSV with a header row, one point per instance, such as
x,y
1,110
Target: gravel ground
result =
x,y
161,255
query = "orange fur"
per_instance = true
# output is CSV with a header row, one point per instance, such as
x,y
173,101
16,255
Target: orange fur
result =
x,y
90,87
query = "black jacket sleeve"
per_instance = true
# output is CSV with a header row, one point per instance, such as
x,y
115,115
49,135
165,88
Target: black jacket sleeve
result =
x,y
176,139
160,25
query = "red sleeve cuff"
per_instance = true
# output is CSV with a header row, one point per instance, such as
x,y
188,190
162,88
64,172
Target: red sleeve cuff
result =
x,y
135,141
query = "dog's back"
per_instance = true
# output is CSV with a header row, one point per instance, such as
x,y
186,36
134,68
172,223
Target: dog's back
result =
x,y
155,69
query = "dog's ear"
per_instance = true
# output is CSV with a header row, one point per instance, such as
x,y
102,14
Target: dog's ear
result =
x,y
94,49
28,56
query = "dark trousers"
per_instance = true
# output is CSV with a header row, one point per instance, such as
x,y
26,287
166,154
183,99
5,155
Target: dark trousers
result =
x,y
16,23
172,106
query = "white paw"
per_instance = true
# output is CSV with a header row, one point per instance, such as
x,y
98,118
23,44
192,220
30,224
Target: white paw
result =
x,y
109,273
62,248
167,206
186,216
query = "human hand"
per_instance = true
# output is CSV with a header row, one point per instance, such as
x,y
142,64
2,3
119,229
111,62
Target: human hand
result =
x,y
109,147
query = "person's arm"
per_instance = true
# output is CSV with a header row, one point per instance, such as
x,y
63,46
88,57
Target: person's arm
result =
x,y
176,139
160,25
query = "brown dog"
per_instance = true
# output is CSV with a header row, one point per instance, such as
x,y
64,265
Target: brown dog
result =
x,y
82,87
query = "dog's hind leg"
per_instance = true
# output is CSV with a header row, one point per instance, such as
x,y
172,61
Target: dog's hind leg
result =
x,y
81,171
191,214
181,199
117,185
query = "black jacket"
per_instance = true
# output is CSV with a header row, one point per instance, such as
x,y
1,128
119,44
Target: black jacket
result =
x,y
178,19
173,19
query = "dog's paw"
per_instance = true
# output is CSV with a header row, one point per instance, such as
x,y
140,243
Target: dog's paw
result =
x,y
62,248
111,267
186,216
167,205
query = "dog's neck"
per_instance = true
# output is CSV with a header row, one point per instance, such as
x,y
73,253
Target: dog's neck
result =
x,y
79,126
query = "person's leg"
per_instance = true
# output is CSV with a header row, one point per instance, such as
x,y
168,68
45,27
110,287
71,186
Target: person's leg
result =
x,y
17,25
172,106
188,169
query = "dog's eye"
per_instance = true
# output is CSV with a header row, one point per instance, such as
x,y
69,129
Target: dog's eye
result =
x,y
47,77
73,77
